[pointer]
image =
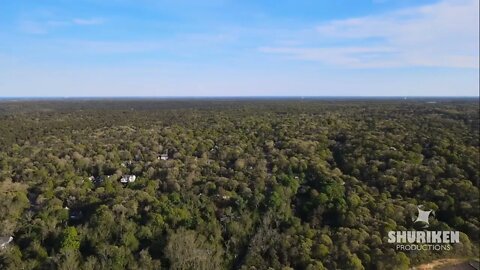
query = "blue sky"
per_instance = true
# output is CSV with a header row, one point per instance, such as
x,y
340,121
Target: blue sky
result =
x,y
239,48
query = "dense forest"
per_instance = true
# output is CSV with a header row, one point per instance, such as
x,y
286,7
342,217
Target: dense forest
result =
x,y
234,184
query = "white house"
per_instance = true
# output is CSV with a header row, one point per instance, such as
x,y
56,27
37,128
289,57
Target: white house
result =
x,y
163,157
4,241
128,179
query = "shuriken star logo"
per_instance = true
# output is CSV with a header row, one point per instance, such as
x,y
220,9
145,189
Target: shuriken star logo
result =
x,y
423,216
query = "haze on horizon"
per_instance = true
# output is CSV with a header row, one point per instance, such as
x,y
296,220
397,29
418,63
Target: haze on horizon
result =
x,y
163,48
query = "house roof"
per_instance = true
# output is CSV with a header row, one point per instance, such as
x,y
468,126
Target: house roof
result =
x,y
127,178
5,240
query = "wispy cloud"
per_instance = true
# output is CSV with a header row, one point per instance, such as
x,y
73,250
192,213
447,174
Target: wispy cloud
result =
x,y
89,21
112,47
445,34
39,26
32,27
185,45
359,57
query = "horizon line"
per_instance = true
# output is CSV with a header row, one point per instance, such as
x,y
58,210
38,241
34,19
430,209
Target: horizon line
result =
x,y
219,96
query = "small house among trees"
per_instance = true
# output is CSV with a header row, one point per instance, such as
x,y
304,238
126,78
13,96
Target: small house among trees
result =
x,y
163,157
4,241
128,179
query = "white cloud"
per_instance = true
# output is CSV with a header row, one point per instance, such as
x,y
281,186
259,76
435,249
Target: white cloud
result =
x,y
45,25
103,47
32,27
445,34
185,45
359,57
90,21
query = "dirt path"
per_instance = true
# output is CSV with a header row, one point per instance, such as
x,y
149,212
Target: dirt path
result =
x,y
445,264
